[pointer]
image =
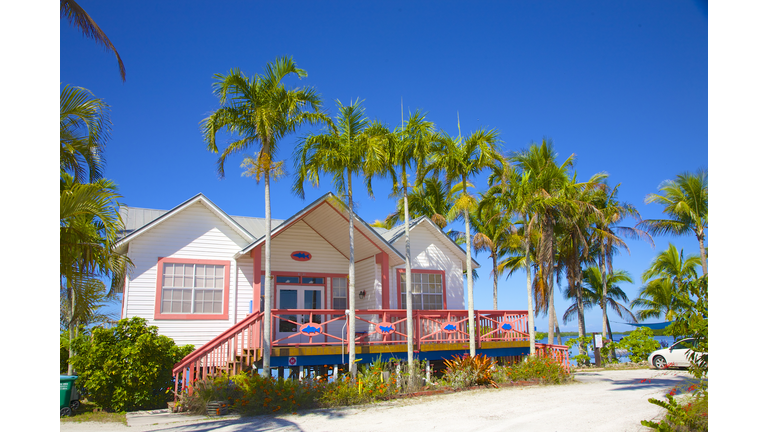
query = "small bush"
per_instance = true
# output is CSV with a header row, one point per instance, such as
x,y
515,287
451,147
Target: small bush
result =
x,y
536,368
640,344
465,371
688,414
581,359
127,367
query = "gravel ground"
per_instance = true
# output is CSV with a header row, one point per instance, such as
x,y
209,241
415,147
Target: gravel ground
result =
x,y
609,400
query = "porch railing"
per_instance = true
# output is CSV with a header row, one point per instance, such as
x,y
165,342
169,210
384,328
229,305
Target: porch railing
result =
x,y
238,347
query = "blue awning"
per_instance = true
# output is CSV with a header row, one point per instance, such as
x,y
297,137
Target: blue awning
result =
x,y
652,326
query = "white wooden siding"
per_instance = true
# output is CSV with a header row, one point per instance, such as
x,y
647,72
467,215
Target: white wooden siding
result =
x,y
194,233
300,237
429,254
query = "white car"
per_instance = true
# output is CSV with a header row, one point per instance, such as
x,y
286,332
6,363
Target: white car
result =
x,y
674,356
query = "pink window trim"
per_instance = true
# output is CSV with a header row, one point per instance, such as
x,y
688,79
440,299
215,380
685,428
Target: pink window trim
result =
x,y
399,293
159,292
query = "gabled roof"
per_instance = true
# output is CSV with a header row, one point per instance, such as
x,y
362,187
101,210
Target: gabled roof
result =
x,y
316,216
397,232
139,222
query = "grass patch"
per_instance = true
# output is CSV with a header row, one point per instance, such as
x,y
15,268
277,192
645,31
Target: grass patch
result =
x,y
86,414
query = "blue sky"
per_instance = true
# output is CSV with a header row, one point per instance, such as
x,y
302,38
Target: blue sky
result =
x,y
622,85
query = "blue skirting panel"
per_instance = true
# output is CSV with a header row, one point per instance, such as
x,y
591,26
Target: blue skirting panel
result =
x,y
276,361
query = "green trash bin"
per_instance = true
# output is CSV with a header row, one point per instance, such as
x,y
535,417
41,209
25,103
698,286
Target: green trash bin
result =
x,y
66,386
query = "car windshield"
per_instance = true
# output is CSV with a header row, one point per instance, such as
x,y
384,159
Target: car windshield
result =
x,y
684,344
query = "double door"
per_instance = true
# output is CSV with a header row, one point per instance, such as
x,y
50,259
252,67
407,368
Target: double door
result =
x,y
297,297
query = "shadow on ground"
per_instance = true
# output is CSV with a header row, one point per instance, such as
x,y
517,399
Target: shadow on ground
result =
x,y
252,423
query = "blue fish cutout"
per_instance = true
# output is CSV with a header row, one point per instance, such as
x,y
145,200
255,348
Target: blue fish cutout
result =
x,y
450,327
301,255
506,326
386,329
310,329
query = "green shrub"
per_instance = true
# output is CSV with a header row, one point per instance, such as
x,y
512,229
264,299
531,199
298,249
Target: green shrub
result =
x,y
537,368
128,367
688,414
640,344
465,371
581,359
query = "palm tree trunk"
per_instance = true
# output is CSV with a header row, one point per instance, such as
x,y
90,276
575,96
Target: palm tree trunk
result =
x,y
529,288
408,282
470,292
702,250
267,341
494,258
71,294
604,283
579,295
352,318
550,273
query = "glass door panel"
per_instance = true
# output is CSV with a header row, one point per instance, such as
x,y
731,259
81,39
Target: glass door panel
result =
x,y
288,299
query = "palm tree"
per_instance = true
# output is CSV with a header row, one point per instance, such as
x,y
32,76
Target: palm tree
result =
x,y
607,231
406,147
84,127
79,18
89,219
593,294
261,111
346,149
511,188
433,198
543,206
460,158
668,271
495,232
685,201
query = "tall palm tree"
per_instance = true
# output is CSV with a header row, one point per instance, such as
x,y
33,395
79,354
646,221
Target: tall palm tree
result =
x,y
544,205
460,158
351,147
79,18
685,200
668,271
593,294
495,232
609,232
89,219
261,111
408,147
89,226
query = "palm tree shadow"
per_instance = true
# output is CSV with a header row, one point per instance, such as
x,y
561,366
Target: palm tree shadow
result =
x,y
254,423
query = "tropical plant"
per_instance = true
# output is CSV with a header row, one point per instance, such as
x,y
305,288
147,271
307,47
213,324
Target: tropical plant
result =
x,y
547,202
406,147
460,158
261,111
79,18
608,233
685,200
495,233
433,198
127,367
593,294
662,281
89,220
346,149
639,343
466,371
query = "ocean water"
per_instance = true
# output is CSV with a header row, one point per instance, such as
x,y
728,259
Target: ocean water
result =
x,y
665,341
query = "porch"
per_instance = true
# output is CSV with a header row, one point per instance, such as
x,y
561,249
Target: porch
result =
x,y
318,337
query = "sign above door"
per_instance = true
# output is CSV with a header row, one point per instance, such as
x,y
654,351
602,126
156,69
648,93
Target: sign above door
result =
x,y
301,256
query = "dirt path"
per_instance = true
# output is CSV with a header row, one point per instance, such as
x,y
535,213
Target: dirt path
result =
x,y
608,401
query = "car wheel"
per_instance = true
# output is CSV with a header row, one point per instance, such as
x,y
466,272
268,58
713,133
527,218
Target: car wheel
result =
x,y
659,362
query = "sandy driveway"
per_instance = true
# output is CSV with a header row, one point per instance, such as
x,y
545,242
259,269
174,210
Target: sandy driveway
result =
x,y
599,401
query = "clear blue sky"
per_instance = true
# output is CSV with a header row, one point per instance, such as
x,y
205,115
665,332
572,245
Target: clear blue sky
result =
x,y
622,85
